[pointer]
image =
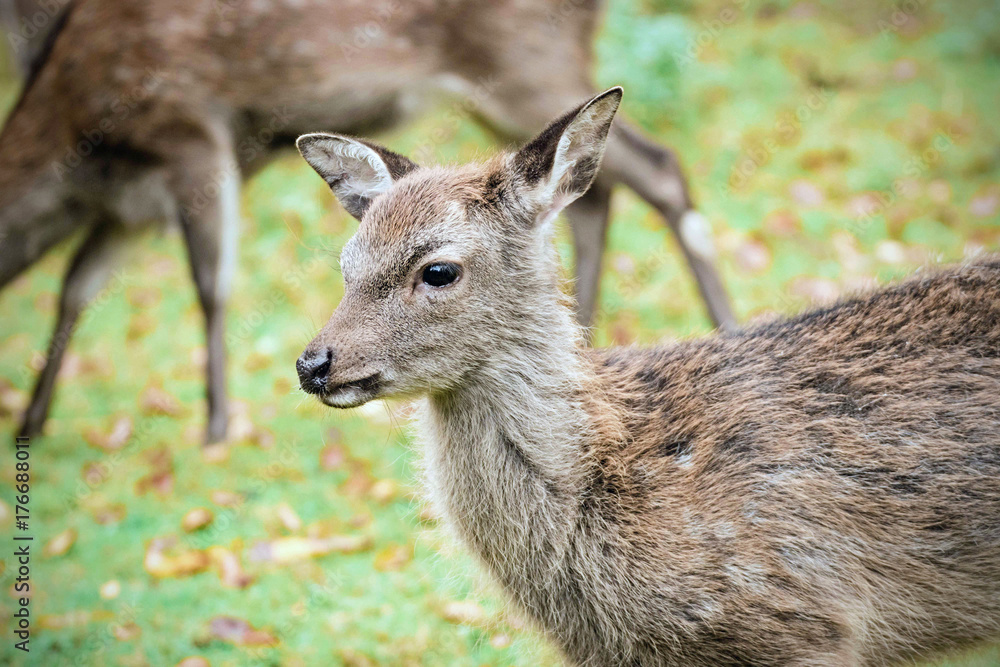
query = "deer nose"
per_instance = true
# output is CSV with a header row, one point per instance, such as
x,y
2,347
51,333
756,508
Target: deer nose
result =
x,y
313,367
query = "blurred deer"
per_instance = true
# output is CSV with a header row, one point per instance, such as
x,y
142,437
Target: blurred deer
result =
x,y
140,113
817,492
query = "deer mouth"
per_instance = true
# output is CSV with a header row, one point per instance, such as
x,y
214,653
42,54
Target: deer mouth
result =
x,y
353,393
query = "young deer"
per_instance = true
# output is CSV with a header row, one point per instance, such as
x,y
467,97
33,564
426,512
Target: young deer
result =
x,y
823,491
142,112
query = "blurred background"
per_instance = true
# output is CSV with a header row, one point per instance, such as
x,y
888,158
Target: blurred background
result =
x,y
830,143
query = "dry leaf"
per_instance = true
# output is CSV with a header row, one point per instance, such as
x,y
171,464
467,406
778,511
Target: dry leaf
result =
x,y
194,661
160,564
106,514
217,452
12,400
196,519
110,589
465,612
806,194
161,477
239,632
226,498
985,205
229,567
126,631
332,457
383,490
290,549
60,544
289,519
71,619
156,401
115,439
752,256
393,558
782,223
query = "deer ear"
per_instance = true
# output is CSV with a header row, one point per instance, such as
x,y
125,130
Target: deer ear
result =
x,y
560,163
357,171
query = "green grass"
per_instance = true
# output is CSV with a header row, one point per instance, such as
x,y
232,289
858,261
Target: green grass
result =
x,y
785,114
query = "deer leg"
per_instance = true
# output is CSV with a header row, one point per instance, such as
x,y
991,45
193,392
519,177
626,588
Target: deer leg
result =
x,y
210,222
588,217
653,172
88,272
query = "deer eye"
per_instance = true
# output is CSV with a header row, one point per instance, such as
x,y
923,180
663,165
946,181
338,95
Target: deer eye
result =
x,y
441,274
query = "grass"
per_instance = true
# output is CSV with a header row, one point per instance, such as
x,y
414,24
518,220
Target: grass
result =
x,y
789,116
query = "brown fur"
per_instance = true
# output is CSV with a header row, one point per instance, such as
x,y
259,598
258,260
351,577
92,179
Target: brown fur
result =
x,y
820,491
148,112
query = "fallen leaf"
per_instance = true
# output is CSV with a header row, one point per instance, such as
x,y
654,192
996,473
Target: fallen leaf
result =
x,y
70,619
465,612
782,223
890,252
358,482
161,475
230,569
239,632
125,631
217,452
196,519
383,490
114,439
332,457
939,191
289,519
160,564
12,400
60,543
290,549
393,558
194,661
752,256
107,514
816,290
985,205
95,473
156,401
806,194
227,498
110,589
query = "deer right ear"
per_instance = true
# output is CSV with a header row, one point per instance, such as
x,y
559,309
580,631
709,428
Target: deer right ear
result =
x,y
357,171
560,164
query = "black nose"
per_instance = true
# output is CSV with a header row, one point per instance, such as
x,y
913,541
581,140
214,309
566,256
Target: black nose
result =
x,y
313,367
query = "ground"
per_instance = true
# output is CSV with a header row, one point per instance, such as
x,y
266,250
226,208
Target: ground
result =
x,y
831,144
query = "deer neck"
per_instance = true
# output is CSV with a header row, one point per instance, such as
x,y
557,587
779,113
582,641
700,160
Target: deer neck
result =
x,y
506,459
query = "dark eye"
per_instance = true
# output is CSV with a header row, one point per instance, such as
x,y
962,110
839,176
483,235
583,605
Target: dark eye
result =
x,y
441,274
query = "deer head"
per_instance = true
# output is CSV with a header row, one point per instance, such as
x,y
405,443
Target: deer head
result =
x,y
449,266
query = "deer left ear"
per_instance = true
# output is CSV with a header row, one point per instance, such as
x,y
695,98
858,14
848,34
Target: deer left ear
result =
x,y
560,164
357,171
